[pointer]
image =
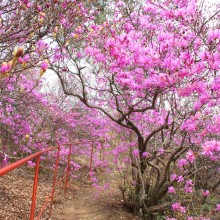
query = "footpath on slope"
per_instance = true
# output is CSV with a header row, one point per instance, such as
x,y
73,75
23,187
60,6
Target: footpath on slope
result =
x,y
85,203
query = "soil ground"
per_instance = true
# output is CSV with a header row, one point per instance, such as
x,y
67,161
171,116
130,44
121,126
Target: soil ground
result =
x,y
16,193
86,204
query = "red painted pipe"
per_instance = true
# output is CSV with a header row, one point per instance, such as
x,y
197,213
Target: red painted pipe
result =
x,y
34,195
54,180
16,164
49,196
68,169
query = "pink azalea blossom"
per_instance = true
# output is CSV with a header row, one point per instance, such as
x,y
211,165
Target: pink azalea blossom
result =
x,y
182,162
173,177
44,65
26,58
20,60
205,193
145,154
135,152
188,189
5,67
190,156
180,179
171,190
210,148
176,207
31,163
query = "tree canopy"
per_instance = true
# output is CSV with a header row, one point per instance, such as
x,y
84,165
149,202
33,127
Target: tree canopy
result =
x,y
142,75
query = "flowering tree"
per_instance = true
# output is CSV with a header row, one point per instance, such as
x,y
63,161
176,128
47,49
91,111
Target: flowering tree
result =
x,y
153,68
148,70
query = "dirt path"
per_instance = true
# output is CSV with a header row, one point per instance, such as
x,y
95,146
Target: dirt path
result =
x,y
87,205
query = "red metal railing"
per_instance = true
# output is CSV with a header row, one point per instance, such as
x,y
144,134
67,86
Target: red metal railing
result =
x,y
37,155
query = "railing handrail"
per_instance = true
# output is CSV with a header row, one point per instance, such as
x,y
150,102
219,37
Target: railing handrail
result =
x,y
20,162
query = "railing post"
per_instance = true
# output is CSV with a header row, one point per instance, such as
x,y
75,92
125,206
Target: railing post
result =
x,y
34,194
54,180
91,157
68,169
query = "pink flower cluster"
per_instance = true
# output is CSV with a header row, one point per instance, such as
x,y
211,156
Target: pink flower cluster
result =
x,y
176,207
190,156
211,149
171,190
214,34
205,193
188,188
175,177
5,67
